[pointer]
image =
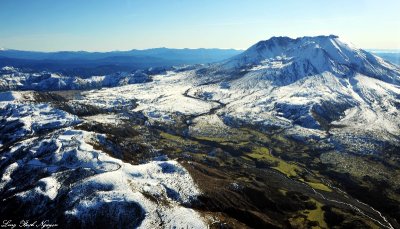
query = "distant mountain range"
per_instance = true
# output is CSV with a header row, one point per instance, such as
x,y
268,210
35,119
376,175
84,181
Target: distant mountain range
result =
x,y
389,55
179,55
98,63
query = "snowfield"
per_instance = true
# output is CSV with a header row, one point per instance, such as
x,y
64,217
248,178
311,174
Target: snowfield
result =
x,y
158,100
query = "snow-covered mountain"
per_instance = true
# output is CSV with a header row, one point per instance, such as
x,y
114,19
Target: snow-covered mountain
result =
x,y
310,84
305,56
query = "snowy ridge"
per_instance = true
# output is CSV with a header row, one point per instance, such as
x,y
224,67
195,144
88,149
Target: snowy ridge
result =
x,y
22,120
111,181
15,79
63,166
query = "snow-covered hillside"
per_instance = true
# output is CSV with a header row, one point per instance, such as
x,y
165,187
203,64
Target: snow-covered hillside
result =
x,y
48,165
15,79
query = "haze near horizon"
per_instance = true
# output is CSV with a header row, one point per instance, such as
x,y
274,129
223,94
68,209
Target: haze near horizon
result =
x,y
102,25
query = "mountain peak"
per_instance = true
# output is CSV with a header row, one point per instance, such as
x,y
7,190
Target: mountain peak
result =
x,y
307,55
284,39
332,36
302,47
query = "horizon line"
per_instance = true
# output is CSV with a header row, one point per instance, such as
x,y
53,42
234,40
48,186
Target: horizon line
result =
x,y
114,50
376,50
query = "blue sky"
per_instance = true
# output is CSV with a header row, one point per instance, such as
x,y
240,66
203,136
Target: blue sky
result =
x,y
101,25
